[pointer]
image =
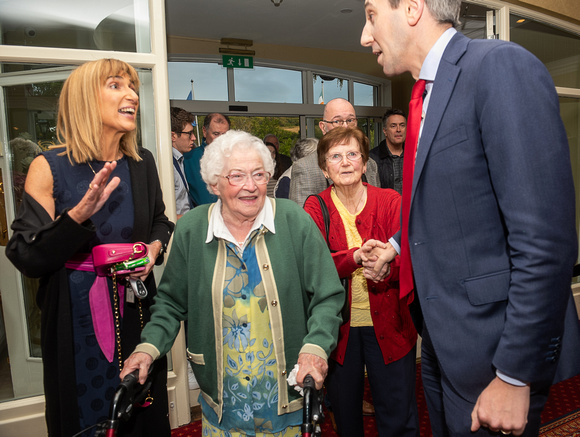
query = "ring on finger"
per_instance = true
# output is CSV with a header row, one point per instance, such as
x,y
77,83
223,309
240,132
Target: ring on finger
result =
x,y
505,432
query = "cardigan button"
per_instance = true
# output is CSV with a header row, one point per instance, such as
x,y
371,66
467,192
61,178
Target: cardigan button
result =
x,y
283,373
266,266
274,303
284,406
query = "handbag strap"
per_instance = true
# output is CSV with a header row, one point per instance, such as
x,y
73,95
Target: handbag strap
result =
x,y
325,216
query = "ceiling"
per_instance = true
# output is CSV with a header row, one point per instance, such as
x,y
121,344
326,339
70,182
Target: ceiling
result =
x,y
330,24
334,24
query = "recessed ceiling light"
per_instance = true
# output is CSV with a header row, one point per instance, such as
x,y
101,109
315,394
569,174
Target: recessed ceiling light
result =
x,y
521,20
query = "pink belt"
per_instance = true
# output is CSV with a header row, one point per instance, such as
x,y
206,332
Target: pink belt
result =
x,y
100,303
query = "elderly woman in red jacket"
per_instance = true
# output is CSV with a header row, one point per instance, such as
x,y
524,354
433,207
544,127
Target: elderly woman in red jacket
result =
x,y
377,331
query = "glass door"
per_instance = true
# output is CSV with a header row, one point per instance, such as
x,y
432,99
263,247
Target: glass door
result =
x,y
29,99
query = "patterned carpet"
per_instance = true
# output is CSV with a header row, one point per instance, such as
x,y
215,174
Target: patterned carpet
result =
x,y
567,426
560,418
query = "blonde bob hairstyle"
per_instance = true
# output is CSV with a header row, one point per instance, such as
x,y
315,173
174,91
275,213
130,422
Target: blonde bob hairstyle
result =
x,y
79,125
216,155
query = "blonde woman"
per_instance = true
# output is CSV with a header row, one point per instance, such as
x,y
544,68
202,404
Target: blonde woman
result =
x,y
99,187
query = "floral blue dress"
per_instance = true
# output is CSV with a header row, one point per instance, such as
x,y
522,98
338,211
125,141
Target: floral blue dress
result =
x,y
250,394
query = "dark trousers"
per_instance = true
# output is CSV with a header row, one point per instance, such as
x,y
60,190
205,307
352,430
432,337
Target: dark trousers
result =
x,y
449,413
392,388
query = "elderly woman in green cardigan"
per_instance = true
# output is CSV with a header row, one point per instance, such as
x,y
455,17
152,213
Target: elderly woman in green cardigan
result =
x,y
254,280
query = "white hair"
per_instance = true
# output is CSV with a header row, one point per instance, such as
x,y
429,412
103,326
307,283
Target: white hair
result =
x,y
303,147
217,153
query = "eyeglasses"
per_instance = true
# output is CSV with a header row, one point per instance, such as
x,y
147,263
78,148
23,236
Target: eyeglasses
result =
x,y
335,158
190,133
348,122
238,179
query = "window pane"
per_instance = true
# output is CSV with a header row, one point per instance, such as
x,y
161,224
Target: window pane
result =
x,y
287,129
210,81
271,85
364,95
473,20
557,49
327,88
120,25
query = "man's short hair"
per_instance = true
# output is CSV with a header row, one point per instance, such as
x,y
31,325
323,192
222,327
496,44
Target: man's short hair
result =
x,y
179,118
444,11
389,112
214,115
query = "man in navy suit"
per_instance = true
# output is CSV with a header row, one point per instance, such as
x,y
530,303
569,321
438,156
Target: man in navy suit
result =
x,y
492,219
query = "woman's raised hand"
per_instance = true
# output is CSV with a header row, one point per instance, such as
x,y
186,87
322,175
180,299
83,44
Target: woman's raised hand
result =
x,y
99,191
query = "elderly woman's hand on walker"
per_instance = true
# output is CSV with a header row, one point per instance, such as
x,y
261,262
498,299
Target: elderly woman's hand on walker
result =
x,y
137,360
313,365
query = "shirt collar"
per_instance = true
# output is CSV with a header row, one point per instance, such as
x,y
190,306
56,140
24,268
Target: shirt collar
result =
x,y
176,153
218,229
431,62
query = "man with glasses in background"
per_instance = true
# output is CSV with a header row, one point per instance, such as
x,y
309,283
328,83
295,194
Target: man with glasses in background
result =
x,y
214,125
182,141
307,178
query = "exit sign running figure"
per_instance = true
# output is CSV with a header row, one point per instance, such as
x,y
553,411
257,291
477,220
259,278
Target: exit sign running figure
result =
x,y
231,61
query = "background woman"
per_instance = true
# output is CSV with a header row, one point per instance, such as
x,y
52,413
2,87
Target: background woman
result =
x,y
99,187
378,332
254,279
277,172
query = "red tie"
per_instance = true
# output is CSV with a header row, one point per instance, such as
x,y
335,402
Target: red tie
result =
x,y
413,127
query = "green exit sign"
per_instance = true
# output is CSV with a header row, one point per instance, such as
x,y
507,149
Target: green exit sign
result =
x,y
231,61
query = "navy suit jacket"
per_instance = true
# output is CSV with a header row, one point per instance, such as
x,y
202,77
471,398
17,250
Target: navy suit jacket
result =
x,y
492,220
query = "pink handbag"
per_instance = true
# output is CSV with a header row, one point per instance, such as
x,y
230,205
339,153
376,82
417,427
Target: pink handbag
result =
x,y
120,258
